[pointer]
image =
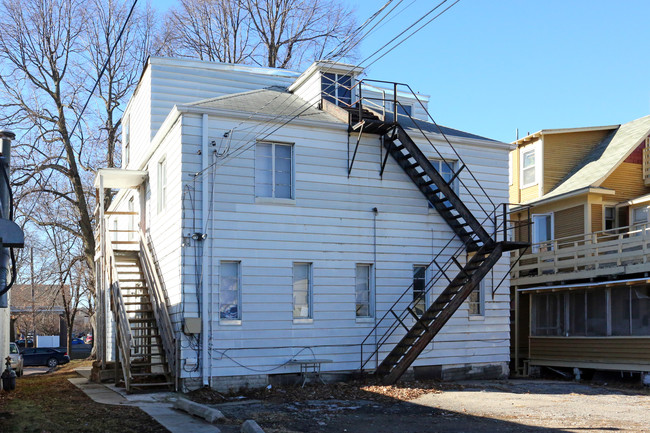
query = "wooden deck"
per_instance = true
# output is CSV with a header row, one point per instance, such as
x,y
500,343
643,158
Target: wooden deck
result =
x,y
612,252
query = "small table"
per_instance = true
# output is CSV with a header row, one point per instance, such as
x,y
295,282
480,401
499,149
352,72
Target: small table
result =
x,y
309,368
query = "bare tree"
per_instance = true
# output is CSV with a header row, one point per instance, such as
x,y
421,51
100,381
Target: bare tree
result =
x,y
38,47
215,30
275,33
292,30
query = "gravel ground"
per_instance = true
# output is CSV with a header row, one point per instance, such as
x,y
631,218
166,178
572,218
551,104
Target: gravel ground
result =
x,y
482,406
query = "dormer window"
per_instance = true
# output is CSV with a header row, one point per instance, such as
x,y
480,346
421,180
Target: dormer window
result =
x,y
337,89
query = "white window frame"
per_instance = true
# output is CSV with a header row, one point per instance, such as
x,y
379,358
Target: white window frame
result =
x,y
292,188
310,294
371,291
522,158
633,220
481,301
337,85
227,320
533,235
131,221
161,178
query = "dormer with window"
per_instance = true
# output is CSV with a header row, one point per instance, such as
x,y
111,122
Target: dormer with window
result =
x,y
328,81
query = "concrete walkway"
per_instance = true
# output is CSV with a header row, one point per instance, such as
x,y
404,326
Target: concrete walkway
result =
x,y
158,405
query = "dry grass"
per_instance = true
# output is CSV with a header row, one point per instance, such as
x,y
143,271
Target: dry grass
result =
x,y
50,403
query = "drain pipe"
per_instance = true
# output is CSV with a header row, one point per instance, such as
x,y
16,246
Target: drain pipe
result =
x,y
205,265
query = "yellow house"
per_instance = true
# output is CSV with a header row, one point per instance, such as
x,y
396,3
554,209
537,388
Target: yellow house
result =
x,y
581,293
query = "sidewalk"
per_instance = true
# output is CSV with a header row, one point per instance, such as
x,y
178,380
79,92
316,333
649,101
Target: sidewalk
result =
x,y
158,405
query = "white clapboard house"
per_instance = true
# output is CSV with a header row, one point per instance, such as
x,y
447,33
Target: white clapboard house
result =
x,y
266,221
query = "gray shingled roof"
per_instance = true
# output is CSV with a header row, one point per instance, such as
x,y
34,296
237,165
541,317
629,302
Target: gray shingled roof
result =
x,y
272,101
597,165
277,101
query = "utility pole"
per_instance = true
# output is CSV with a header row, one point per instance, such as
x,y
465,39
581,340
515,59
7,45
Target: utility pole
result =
x,y
11,236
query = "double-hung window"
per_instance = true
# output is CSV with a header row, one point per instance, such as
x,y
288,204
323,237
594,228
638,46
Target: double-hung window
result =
x,y
419,289
337,89
476,300
162,184
302,291
363,291
274,170
229,291
528,168
447,168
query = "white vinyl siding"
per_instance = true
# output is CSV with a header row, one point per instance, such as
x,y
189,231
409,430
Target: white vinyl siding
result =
x,y
302,291
273,170
229,291
127,142
363,291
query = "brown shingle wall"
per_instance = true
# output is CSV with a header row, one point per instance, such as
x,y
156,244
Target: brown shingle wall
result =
x,y
569,222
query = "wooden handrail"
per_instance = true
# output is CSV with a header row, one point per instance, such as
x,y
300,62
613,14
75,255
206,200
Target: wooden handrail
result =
x,y
158,302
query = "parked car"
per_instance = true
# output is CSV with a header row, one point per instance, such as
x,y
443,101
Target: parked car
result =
x,y
89,339
45,356
76,341
17,362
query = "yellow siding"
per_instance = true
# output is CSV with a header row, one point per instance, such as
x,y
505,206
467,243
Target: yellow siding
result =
x,y
627,181
602,350
596,218
569,222
563,151
530,193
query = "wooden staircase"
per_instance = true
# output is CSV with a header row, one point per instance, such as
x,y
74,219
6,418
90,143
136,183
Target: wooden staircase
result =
x,y
480,250
143,358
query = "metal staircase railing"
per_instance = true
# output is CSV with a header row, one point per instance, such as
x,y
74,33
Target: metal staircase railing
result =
x,y
441,195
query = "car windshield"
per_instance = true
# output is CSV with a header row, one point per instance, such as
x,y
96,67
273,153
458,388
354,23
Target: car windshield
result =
x,y
13,349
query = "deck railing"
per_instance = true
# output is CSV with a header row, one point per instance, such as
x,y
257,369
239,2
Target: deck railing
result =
x,y
623,249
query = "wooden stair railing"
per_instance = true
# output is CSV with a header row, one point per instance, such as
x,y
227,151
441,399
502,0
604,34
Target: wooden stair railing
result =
x,y
159,302
124,336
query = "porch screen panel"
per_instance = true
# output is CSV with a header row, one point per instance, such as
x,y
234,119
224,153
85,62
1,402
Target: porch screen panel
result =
x,y
577,313
596,313
641,310
620,310
548,314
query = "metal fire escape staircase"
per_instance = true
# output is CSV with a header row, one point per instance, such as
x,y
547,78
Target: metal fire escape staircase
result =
x,y
479,250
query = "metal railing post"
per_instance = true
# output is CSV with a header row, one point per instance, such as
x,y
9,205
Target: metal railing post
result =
x,y
360,101
395,103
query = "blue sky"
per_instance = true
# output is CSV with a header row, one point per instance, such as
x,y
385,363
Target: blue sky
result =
x,y
491,67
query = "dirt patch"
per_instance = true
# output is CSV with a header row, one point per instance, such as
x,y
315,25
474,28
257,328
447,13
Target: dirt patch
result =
x,y
357,390
50,403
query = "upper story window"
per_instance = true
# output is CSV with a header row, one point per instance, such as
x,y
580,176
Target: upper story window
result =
x,y
446,168
337,88
528,168
274,170
162,184
127,141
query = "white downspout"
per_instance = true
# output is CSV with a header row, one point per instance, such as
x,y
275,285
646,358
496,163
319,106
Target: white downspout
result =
x,y
205,265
